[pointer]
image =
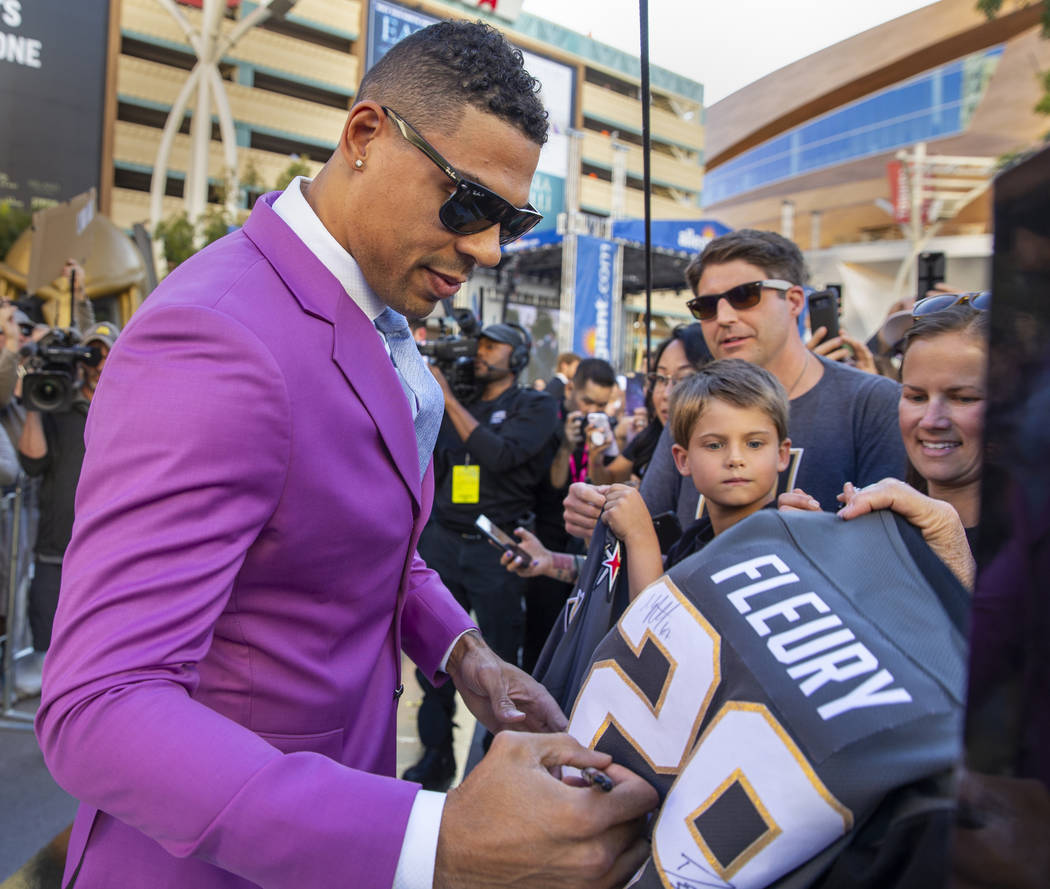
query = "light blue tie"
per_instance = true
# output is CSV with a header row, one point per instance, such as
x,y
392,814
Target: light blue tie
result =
x,y
421,389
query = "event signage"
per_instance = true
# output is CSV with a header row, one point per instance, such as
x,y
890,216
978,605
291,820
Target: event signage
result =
x,y
594,302
52,90
679,235
389,23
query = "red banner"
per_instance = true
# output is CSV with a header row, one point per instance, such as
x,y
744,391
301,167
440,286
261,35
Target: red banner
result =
x,y
900,194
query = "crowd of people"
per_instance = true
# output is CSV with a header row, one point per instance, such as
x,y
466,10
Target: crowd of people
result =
x,y
48,377
689,626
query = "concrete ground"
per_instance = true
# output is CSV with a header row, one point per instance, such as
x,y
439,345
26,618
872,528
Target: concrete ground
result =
x,y
35,813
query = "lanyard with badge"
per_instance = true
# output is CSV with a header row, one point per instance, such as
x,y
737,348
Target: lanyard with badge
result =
x,y
466,482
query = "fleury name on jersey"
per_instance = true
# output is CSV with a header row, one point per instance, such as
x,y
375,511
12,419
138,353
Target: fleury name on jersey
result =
x,y
818,650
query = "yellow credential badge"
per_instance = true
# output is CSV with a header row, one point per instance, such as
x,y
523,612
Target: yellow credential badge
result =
x,y
466,484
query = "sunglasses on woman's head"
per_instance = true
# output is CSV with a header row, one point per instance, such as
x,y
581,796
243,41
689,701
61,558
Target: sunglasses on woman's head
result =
x,y
981,300
471,207
743,296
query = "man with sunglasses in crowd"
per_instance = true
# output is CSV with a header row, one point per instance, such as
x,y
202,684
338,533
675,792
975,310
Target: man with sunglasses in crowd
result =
x,y
222,688
843,422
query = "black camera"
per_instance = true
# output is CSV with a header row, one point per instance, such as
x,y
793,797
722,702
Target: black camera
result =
x,y
453,353
51,379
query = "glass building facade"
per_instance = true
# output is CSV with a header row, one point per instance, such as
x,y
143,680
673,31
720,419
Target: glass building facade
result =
x,y
934,105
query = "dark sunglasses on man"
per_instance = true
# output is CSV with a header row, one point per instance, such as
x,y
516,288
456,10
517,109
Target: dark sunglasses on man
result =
x,y
981,300
743,296
471,207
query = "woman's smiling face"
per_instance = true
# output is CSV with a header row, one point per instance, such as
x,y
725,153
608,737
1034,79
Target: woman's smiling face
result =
x,y
941,407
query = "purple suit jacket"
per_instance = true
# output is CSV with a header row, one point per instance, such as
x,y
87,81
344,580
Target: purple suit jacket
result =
x,y
242,579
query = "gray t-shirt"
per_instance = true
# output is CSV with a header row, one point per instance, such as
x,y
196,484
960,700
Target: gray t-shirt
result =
x,y
842,430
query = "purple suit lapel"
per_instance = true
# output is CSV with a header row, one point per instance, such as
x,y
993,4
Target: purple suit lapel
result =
x,y
357,348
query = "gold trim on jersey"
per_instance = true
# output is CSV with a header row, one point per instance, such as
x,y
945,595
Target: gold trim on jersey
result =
x,y
771,832
716,676
792,748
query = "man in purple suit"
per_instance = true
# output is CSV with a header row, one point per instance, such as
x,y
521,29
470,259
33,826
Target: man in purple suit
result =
x,y
222,686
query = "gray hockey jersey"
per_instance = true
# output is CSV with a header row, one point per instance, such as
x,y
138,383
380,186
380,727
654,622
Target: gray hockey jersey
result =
x,y
777,688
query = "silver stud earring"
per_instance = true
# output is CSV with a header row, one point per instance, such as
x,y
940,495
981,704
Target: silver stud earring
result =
x,y
359,164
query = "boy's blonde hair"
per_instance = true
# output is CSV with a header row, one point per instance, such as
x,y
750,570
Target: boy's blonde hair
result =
x,y
735,382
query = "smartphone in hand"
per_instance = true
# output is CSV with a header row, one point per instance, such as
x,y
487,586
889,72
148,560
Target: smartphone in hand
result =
x,y
499,538
824,312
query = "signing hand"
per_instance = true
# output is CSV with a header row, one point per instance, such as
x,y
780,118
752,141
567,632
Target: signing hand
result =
x,y
513,823
500,695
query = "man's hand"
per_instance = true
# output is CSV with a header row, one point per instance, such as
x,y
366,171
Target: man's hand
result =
x,y
939,522
842,348
583,505
446,389
500,695
574,430
626,513
512,823
540,559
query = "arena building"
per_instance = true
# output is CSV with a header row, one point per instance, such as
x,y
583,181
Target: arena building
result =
x,y
810,149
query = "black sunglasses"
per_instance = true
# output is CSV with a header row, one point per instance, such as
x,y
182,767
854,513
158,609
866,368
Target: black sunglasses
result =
x,y
743,296
471,207
981,300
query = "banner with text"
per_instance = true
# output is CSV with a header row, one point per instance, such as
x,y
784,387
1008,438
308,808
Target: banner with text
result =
x,y
52,90
595,300
390,23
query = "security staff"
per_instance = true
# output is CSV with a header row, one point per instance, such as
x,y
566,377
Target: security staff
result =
x,y
490,456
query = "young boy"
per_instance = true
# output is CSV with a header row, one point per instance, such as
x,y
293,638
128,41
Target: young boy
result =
x,y
729,424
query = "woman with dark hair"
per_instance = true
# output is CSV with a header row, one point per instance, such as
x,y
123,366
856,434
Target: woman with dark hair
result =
x,y
680,355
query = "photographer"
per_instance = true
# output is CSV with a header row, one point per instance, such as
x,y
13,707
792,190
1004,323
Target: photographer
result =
x,y
491,454
587,431
52,447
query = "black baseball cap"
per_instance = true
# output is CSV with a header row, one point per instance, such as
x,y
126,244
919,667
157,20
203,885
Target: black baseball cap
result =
x,y
504,333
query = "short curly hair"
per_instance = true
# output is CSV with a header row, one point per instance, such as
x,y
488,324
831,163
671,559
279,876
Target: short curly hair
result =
x,y
433,74
774,254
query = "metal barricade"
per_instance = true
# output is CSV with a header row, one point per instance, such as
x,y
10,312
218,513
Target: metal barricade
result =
x,y
17,533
